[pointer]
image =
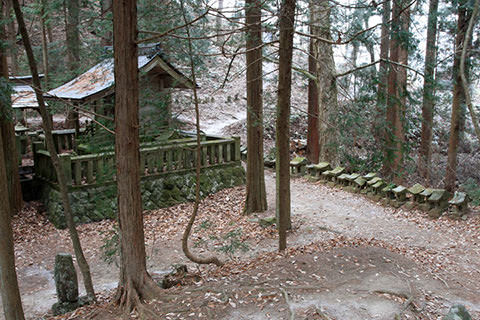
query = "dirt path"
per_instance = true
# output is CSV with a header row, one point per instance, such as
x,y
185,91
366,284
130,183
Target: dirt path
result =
x,y
380,257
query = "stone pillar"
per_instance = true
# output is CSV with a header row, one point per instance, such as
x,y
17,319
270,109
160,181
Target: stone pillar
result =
x,y
66,283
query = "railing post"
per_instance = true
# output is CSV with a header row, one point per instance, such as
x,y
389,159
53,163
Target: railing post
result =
x,y
66,165
36,145
237,149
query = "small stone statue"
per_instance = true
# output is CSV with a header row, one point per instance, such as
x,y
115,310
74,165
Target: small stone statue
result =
x,y
66,283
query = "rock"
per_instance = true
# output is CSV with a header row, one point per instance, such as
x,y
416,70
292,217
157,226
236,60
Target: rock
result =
x,y
175,277
268,221
457,312
65,277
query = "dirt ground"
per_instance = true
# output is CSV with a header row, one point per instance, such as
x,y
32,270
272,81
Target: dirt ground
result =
x,y
349,258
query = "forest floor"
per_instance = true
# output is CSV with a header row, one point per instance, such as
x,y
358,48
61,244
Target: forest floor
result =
x,y
348,258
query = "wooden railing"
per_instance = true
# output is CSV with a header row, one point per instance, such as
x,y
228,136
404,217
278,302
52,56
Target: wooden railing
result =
x,y
64,139
100,168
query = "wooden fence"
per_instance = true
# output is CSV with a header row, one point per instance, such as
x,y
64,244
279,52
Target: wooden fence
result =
x,y
91,169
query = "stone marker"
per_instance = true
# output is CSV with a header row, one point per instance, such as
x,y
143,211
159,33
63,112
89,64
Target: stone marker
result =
x,y
66,283
65,278
458,312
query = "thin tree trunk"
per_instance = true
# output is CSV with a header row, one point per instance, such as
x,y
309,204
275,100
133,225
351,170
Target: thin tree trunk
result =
x,y
425,155
9,145
12,304
287,16
463,75
135,283
198,161
47,127
218,26
326,81
378,131
256,199
313,142
458,98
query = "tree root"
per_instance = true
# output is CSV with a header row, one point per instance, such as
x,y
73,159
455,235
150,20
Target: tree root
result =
x,y
131,297
287,301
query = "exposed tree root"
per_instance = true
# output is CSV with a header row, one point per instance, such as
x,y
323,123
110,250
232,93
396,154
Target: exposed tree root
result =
x,y
131,297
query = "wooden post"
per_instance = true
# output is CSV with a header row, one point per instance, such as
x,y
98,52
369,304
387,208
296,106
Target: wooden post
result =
x,y
237,149
66,164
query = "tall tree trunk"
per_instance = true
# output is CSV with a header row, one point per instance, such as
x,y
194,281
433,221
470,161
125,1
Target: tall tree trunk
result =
x,y
256,200
287,19
12,37
397,94
378,131
107,37
326,81
7,131
12,304
425,155
59,171
458,98
43,6
135,283
73,50
463,73
313,145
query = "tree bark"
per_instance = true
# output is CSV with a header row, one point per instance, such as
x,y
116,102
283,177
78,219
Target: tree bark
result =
x,y
135,283
11,36
43,5
256,199
458,97
463,75
7,130
326,81
47,128
12,304
397,83
73,50
287,19
313,144
425,152
107,37
379,133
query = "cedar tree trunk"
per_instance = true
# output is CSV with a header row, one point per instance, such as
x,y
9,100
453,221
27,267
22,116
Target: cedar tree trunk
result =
x,y
9,145
326,81
12,304
458,97
397,94
425,155
313,145
256,200
287,16
379,125
135,283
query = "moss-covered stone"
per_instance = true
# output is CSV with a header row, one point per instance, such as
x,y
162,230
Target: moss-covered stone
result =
x,y
98,203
